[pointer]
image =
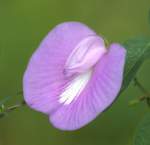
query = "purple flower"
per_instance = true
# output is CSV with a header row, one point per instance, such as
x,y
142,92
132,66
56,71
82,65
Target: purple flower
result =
x,y
72,77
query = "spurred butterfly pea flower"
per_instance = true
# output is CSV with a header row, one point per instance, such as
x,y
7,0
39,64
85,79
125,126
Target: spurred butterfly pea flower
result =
x,y
72,77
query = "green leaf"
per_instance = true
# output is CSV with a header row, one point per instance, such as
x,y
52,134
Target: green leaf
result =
x,y
142,136
137,51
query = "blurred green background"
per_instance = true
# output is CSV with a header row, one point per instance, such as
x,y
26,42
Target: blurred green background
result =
x,y
24,23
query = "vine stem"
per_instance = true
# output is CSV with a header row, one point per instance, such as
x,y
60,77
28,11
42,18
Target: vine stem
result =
x,y
13,107
146,95
4,110
140,86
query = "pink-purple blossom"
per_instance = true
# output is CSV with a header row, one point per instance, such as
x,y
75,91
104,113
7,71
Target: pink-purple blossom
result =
x,y
72,76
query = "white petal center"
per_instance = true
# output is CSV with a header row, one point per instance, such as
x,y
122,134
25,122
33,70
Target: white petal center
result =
x,y
75,87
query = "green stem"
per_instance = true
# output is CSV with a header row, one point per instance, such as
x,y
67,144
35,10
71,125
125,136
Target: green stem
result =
x,y
140,86
4,110
146,95
13,107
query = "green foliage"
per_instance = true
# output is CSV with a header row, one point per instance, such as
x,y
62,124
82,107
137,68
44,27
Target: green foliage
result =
x,y
142,136
137,51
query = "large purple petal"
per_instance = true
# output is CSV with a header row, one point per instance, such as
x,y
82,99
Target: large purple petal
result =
x,y
99,93
44,79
